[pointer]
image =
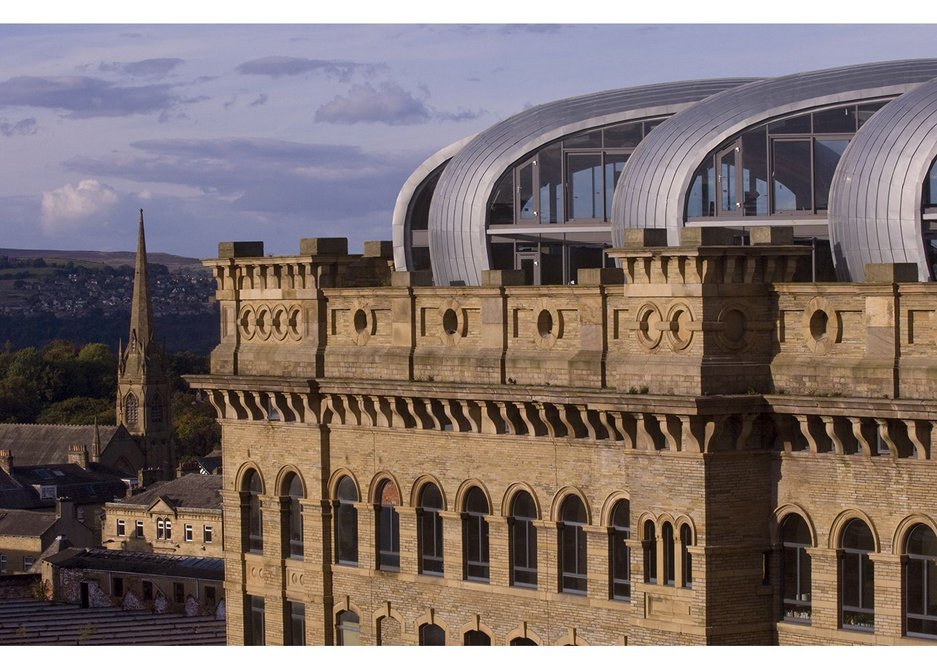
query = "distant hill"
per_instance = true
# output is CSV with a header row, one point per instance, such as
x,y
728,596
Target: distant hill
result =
x,y
110,259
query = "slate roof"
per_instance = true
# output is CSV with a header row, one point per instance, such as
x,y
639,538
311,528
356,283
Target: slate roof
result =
x,y
189,491
98,484
147,563
25,522
210,463
38,444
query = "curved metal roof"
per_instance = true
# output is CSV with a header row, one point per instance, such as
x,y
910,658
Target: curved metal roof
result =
x,y
875,199
458,212
652,189
399,231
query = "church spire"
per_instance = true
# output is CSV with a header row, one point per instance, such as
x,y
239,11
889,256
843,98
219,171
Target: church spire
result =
x,y
140,310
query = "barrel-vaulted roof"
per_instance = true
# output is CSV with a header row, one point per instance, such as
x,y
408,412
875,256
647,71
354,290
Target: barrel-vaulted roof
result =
x,y
876,197
458,212
408,192
652,189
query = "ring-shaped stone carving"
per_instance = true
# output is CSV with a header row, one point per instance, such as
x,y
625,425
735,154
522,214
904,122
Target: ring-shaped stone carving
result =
x,y
453,325
278,323
821,326
294,323
548,324
648,321
679,320
734,334
264,325
247,321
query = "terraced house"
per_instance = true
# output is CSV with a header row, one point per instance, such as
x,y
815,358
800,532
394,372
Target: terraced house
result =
x,y
655,366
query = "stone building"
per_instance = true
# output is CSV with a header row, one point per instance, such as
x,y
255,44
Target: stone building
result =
x,y
182,517
700,444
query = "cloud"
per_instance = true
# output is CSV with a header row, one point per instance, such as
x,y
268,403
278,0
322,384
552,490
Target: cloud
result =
x,y
265,176
388,103
155,68
259,100
69,206
27,126
287,66
85,97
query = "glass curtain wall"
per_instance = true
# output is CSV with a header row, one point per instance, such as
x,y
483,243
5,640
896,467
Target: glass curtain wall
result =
x,y
782,168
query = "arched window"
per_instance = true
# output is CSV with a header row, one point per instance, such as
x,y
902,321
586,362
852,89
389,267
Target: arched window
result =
x,y
430,534
156,409
475,536
293,487
572,545
686,539
476,638
347,629
430,634
921,582
252,521
795,569
522,642
130,410
346,522
388,527
620,553
650,552
666,538
523,544
857,578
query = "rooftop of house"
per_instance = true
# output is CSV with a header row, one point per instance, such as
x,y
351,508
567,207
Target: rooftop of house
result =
x,y
189,491
25,522
38,444
145,563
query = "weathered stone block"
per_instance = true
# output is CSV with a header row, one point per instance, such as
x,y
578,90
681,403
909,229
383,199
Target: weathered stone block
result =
x,y
602,276
502,277
229,249
323,246
707,236
639,238
378,249
411,279
891,272
773,235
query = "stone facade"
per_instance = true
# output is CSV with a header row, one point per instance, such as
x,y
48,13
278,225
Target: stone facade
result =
x,y
704,384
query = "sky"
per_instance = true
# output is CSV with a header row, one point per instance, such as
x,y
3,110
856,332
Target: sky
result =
x,y
279,132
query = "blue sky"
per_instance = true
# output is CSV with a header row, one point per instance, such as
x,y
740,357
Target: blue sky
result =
x,y
277,132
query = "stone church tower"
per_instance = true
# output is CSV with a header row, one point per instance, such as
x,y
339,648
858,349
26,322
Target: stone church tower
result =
x,y
143,393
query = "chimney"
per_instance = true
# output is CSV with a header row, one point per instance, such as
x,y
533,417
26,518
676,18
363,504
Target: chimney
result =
x,y
6,461
64,508
77,454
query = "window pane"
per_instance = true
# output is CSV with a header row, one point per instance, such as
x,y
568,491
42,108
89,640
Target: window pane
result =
x,y
626,135
584,176
702,198
526,204
728,188
755,173
551,185
797,125
477,638
613,166
826,155
430,634
842,119
501,209
591,139
792,181
349,629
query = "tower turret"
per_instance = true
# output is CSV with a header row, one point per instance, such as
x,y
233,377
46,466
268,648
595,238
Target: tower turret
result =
x,y
143,397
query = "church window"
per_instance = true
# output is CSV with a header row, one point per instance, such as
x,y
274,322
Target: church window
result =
x,y
346,522
293,487
430,634
650,552
620,552
430,530
130,410
523,541
475,535
686,539
476,638
572,546
388,527
251,519
857,577
666,534
348,629
795,569
920,581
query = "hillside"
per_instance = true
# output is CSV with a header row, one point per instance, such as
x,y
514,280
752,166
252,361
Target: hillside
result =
x,y
110,259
